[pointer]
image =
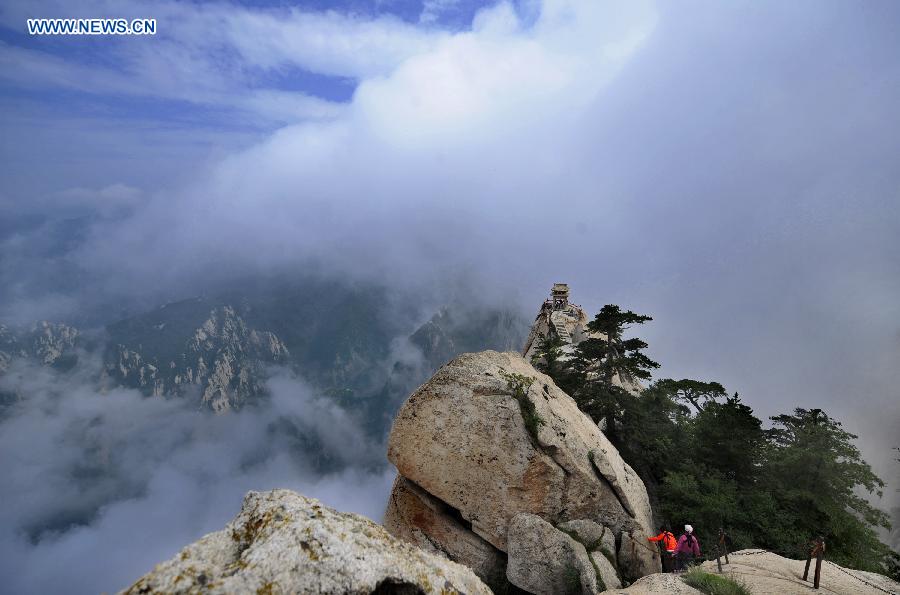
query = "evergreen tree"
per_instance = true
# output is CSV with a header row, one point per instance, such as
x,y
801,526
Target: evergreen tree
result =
x,y
652,437
695,392
815,474
727,437
602,364
550,359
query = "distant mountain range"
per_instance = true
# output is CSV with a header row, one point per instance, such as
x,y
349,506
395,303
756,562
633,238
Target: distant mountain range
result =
x,y
218,351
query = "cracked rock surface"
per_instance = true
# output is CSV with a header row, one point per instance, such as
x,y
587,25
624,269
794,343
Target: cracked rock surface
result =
x,y
462,439
282,542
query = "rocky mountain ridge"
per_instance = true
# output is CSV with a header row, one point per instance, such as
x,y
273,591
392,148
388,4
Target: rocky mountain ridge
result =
x,y
44,343
223,359
217,351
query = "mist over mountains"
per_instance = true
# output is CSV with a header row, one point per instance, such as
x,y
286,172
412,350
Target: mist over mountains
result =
x,y
298,228
121,421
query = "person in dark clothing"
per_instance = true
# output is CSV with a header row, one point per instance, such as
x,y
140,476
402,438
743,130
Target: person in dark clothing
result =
x,y
687,549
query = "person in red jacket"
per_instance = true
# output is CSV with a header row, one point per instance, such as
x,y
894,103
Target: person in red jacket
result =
x,y
687,549
669,543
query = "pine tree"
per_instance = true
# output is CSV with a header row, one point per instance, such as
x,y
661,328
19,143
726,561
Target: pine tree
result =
x,y
816,474
695,392
603,363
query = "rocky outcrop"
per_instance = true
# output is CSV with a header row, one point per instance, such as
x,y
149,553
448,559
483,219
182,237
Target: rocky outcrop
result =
x,y
223,359
545,561
489,438
44,343
568,323
282,542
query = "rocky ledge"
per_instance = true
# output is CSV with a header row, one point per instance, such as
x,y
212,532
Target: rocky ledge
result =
x,y
282,542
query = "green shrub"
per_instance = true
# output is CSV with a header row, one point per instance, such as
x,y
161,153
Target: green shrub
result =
x,y
519,386
713,584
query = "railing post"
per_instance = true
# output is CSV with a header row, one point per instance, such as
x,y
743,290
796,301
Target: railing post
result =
x,y
820,553
809,556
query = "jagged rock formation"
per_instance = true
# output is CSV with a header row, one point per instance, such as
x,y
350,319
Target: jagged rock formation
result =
x,y
488,438
558,318
45,343
764,572
282,542
223,359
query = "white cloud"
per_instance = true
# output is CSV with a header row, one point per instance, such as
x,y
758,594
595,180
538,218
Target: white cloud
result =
x,y
99,486
702,163
218,54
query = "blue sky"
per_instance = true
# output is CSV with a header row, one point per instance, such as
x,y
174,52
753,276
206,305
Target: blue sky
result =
x,y
198,87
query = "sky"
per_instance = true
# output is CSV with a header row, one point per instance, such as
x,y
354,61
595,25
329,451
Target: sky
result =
x,y
732,169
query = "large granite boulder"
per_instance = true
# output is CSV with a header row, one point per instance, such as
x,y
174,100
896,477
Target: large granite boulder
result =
x,y
600,543
490,437
282,542
545,561
416,516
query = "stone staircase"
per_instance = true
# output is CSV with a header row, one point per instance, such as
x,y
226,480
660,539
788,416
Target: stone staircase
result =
x,y
558,319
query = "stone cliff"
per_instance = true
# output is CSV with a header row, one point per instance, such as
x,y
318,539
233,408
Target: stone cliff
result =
x,y
488,444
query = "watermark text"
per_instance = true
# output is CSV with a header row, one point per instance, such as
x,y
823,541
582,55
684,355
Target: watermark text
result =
x,y
92,26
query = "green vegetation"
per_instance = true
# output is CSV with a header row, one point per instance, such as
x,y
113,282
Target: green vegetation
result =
x,y
707,460
573,579
601,585
713,584
519,386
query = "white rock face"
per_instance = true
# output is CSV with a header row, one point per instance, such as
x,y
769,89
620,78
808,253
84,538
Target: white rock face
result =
x,y
545,561
282,542
461,438
569,324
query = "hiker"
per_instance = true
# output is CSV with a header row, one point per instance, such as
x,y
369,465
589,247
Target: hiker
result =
x,y
669,543
687,549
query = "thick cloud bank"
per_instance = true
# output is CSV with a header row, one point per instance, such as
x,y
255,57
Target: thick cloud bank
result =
x,y
729,168
99,486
